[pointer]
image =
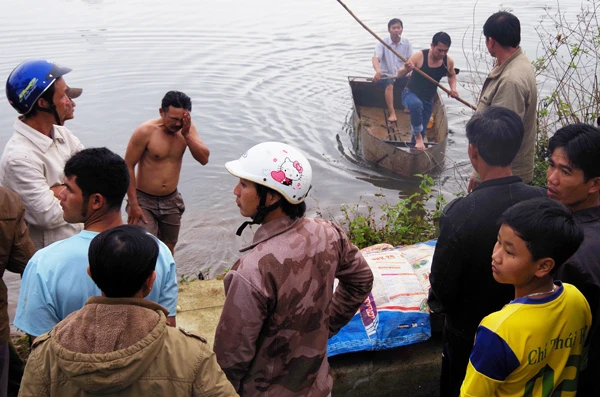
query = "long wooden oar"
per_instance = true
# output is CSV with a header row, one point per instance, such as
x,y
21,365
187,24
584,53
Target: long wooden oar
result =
x,y
416,69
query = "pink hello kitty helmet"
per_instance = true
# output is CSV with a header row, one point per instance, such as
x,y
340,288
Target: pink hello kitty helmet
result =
x,y
277,166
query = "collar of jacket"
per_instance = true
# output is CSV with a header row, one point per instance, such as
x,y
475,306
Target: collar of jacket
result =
x,y
497,71
271,229
588,215
499,181
103,300
40,140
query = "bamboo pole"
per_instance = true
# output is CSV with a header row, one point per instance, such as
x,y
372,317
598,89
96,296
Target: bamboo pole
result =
x,y
416,69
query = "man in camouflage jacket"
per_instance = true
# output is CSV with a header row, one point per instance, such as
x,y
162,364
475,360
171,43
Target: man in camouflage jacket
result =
x,y
281,307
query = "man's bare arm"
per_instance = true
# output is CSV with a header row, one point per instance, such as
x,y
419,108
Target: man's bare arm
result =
x,y
198,149
415,60
452,78
377,68
135,150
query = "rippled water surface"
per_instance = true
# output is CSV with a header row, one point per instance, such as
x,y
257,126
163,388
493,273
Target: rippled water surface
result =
x,y
255,70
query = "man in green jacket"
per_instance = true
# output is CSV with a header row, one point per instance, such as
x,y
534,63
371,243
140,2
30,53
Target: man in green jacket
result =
x,y
120,343
511,84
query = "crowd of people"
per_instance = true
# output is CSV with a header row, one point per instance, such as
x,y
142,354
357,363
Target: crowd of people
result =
x,y
515,268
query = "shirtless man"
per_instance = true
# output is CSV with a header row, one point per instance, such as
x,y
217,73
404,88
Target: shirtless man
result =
x,y
158,146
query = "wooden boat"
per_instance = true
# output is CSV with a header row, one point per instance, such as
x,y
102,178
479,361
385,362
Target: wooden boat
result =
x,y
390,147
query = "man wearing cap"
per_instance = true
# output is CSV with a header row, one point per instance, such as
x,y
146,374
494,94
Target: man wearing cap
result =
x,y
34,157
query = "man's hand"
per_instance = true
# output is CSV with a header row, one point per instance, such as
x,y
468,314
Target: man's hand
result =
x,y
473,183
409,66
56,190
187,122
453,93
377,77
135,213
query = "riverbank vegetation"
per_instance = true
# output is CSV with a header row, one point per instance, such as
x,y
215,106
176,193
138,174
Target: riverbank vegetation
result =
x,y
407,221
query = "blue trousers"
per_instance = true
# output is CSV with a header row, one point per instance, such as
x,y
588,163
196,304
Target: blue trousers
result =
x,y
420,112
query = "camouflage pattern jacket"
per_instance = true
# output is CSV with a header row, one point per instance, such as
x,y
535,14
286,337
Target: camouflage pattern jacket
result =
x,y
281,307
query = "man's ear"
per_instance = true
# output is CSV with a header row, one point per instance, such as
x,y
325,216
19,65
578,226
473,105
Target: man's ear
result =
x,y
544,267
472,152
272,198
41,102
89,271
97,201
594,184
149,283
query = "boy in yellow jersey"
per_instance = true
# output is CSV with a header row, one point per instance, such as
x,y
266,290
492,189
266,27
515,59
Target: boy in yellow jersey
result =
x,y
534,346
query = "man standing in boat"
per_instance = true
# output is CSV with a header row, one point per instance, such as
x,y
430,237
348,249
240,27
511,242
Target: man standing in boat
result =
x,y
158,146
419,93
511,84
387,64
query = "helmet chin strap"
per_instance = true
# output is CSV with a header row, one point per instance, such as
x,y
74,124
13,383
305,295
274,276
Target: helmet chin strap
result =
x,y
51,110
261,214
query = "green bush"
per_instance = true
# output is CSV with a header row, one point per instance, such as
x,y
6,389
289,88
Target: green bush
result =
x,y
408,221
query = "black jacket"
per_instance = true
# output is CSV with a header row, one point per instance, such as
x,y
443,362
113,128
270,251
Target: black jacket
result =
x,y
462,285
583,271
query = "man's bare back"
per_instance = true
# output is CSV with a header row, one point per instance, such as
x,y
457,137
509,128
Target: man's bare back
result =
x,y
156,148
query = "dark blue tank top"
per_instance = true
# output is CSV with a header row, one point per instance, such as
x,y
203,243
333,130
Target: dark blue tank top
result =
x,y
422,87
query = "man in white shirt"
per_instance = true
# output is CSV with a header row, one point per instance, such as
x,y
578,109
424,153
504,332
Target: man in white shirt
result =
x,y
387,64
34,157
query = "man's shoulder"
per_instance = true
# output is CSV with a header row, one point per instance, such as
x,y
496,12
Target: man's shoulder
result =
x,y
148,127
62,252
11,201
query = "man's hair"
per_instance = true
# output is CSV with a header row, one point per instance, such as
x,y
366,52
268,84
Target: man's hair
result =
x,y
497,133
48,95
394,21
546,226
503,27
177,99
581,143
441,37
292,210
121,260
98,170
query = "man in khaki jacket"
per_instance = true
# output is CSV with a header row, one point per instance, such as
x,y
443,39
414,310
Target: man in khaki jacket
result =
x,y
511,84
15,250
119,343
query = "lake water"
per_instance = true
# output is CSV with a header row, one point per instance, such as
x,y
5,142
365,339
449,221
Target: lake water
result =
x,y
256,71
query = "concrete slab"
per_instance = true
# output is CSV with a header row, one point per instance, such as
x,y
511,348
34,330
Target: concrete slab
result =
x,y
411,371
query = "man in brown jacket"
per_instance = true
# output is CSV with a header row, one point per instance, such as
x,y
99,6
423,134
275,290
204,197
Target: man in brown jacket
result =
x,y
282,301
119,343
15,250
511,84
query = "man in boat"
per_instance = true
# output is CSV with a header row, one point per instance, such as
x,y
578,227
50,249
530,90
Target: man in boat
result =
x,y
419,93
158,146
387,64
55,282
511,84
462,283
281,306
574,180
34,157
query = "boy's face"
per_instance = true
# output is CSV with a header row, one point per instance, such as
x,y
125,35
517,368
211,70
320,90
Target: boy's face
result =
x,y
512,262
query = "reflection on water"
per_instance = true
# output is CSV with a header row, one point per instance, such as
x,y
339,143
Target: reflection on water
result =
x,y
256,71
